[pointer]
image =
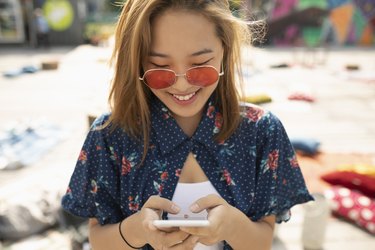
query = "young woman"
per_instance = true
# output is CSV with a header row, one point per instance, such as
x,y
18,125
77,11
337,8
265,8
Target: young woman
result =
x,y
177,140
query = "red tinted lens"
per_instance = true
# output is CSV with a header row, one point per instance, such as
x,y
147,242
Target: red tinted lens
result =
x,y
202,76
159,79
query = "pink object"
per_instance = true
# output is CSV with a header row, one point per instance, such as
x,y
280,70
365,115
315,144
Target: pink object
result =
x,y
301,97
353,206
352,180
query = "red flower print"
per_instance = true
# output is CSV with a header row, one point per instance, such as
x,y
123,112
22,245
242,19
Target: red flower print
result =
x,y
125,166
94,187
133,206
133,203
210,110
178,172
82,156
98,147
293,162
164,175
226,175
254,114
159,187
227,178
218,122
166,113
273,159
69,192
221,142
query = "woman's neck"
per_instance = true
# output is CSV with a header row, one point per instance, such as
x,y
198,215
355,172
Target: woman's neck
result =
x,y
189,124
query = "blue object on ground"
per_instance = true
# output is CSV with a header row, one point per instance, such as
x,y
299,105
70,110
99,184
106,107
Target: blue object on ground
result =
x,y
307,146
12,73
25,144
18,72
29,69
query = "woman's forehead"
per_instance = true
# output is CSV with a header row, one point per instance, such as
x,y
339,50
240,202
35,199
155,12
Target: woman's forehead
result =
x,y
188,32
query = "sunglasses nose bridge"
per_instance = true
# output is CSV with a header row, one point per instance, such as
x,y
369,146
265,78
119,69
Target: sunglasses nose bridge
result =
x,y
180,75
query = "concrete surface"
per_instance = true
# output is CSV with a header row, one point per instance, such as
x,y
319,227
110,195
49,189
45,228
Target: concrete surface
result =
x,y
342,118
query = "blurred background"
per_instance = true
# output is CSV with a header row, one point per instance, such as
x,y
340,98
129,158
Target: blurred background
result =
x,y
312,64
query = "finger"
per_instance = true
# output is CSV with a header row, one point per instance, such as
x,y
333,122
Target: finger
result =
x,y
195,231
168,229
206,202
207,241
149,215
188,243
160,203
173,238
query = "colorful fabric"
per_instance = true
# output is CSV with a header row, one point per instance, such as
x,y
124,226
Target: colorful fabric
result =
x,y
364,169
255,170
362,183
305,145
353,206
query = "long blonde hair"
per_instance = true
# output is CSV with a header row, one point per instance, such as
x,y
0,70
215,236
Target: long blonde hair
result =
x,y
129,97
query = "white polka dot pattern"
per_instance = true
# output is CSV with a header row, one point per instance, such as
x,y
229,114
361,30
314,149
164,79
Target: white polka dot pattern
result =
x,y
254,170
353,205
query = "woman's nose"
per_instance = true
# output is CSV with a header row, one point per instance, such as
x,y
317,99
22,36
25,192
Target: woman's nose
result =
x,y
181,82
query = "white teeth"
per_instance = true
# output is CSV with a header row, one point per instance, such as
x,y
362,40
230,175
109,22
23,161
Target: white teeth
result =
x,y
184,97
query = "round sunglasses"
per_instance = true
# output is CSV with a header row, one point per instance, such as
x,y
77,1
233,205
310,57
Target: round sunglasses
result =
x,y
202,76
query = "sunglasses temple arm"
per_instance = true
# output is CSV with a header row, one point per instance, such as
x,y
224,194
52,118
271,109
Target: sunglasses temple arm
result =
x,y
222,69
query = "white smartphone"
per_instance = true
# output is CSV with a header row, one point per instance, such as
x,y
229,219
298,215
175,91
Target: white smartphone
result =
x,y
181,223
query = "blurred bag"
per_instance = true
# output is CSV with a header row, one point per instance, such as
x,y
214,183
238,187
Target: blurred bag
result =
x,y
30,215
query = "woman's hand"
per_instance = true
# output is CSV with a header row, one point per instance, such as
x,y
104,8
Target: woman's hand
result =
x,y
166,238
220,215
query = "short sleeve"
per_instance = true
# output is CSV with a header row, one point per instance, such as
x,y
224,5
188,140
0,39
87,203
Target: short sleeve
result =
x,y
93,188
279,181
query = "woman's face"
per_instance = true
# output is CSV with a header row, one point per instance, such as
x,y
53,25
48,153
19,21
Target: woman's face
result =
x,y
181,40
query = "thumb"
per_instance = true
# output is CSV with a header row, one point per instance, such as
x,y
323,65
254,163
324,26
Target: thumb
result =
x,y
158,203
206,202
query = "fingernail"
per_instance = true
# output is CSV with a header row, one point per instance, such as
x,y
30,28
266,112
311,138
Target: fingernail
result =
x,y
175,208
194,207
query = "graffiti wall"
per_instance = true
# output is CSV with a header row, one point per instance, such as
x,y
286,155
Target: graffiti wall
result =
x,y
344,22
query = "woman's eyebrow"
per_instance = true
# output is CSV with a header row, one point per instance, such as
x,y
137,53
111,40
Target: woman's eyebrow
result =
x,y
201,52
156,54
198,53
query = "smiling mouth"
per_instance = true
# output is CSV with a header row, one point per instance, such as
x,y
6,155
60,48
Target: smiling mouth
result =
x,y
185,97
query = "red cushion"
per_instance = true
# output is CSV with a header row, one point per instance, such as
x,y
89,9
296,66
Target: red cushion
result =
x,y
352,180
353,206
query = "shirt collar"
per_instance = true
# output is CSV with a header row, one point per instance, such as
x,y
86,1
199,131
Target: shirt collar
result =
x,y
165,126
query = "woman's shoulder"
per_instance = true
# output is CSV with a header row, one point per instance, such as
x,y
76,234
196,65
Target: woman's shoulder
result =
x,y
252,113
104,127
256,116
100,121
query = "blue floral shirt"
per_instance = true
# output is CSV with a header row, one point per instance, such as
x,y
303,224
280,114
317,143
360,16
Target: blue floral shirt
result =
x,y
255,170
